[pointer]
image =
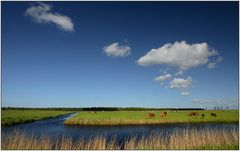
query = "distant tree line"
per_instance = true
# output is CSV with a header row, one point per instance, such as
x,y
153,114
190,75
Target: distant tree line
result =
x,y
100,108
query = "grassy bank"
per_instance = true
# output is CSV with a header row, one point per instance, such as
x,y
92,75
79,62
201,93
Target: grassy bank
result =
x,y
15,116
141,117
179,139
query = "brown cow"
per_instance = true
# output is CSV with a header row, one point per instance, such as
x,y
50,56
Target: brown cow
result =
x,y
192,114
151,114
164,114
213,115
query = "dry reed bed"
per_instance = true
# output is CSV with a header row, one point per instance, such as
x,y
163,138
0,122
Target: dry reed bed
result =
x,y
178,139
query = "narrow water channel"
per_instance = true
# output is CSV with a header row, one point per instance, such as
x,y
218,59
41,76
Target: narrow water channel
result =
x,y
55,127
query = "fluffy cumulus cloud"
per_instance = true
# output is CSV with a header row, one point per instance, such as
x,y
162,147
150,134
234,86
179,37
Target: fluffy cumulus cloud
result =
x,y
181,83
117,50
41,13
180,54
162,78
180,57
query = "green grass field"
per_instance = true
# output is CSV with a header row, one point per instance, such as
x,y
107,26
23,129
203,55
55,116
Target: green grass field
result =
x,y
13,116
140,117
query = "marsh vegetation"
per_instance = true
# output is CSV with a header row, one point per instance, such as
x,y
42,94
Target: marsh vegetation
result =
x,y
143,136
178,139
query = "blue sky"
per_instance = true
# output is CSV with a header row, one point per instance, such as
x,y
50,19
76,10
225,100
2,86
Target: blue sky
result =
x,y
144,54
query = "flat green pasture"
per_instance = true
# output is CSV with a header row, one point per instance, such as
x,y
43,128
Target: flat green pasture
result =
x,y
12,116
141,117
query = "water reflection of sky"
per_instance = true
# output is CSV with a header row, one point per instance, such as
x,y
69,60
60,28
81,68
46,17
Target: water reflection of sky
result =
x,y
55,127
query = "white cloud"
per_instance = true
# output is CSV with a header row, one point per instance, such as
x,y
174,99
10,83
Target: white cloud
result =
x,y
211,65
42,14
181,83
162,78
179,54
164,71
179,73
185,93
117,50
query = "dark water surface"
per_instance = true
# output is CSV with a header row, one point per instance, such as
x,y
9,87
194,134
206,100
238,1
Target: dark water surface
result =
x,y
55,127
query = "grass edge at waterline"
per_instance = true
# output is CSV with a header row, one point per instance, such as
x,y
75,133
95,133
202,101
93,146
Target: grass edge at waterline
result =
x,y
207,138
17,116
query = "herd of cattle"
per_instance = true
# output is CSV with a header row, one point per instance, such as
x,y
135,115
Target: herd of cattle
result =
x,y
164,114
191,114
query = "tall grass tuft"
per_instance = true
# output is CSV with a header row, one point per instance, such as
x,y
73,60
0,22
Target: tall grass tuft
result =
x,y
178,139
188,139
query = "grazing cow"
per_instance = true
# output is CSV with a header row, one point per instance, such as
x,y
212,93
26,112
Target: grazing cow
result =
x,y
193,114
203,115
213,115
151,114
164,114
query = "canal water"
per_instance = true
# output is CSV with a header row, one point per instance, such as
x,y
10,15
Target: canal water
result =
x,y
55,127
